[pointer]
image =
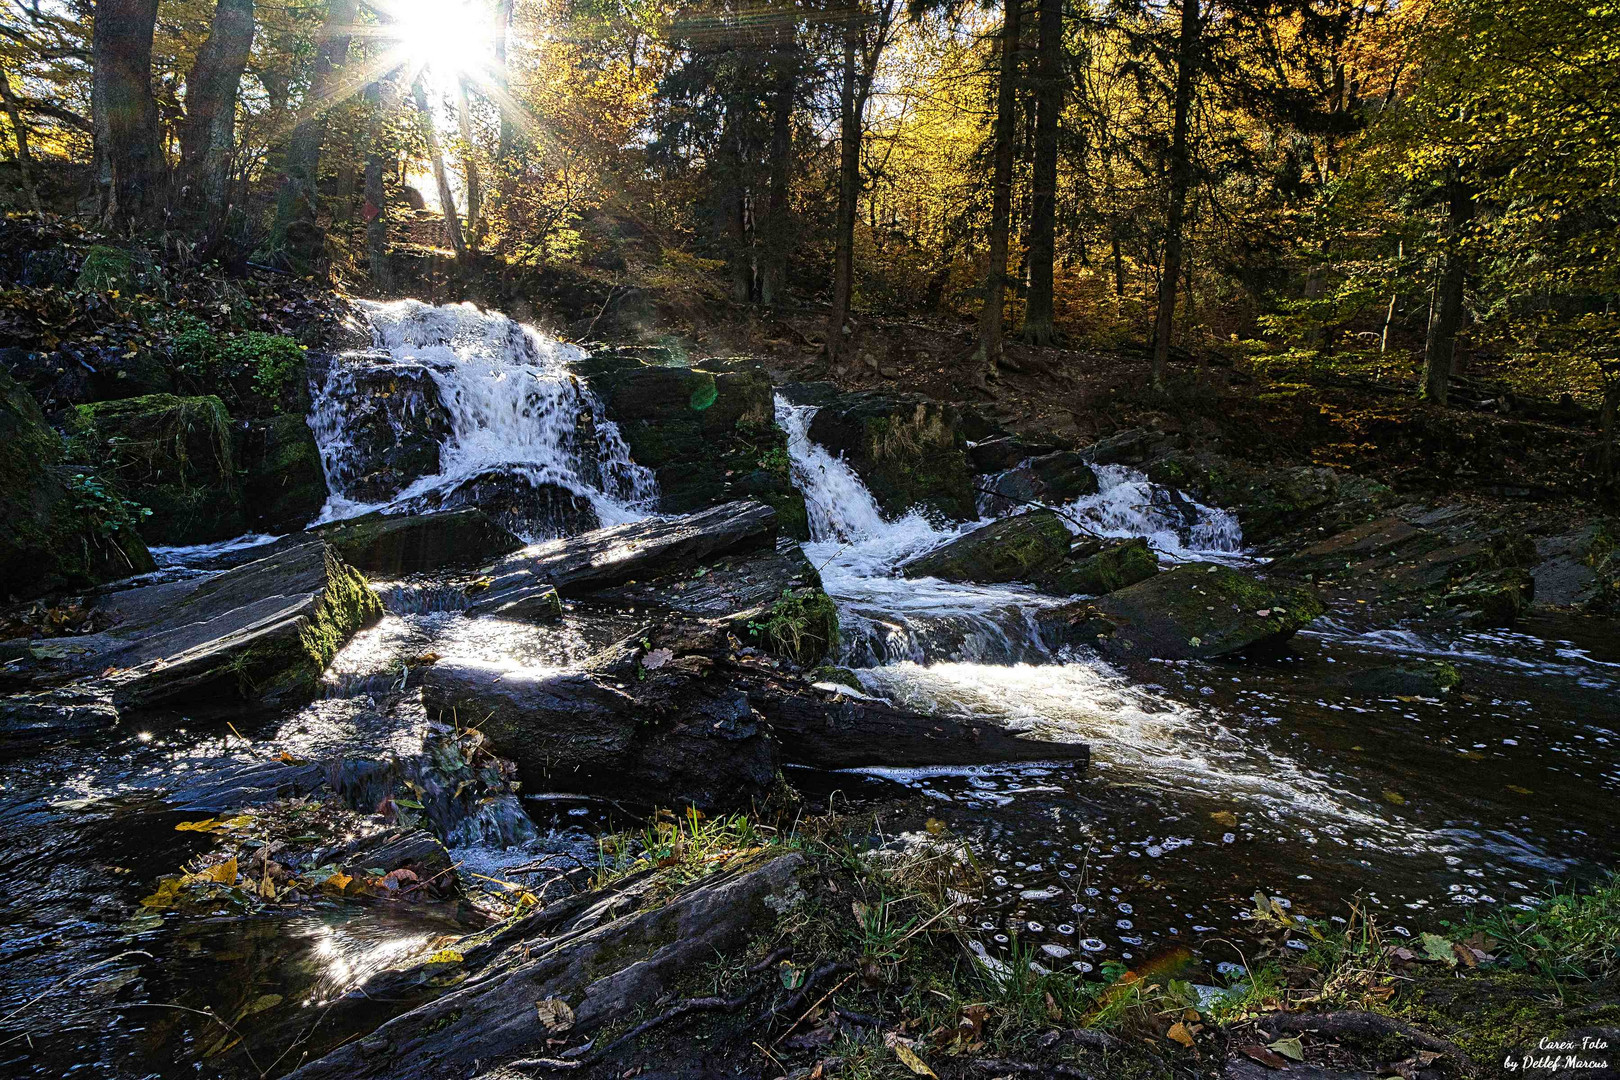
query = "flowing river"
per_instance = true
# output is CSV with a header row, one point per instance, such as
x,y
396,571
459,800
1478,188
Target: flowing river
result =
x,y
1209,780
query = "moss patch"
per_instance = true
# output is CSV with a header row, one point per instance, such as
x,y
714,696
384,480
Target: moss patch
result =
x,y
802,625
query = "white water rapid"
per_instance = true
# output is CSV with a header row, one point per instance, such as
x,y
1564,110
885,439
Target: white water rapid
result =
x,y
497,397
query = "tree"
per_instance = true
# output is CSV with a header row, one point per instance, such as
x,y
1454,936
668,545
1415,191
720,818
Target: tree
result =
x,y
987,353
1188,53
296,233
1050,85
447,197
132,169
865,35
208,137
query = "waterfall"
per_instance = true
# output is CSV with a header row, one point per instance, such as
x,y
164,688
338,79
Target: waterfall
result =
x,y
1128,504
452,401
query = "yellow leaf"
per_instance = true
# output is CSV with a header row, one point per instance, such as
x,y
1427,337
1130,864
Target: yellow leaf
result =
x,y
339,881
908,1057
1224,817
206,825
168,891
934,826
224,873
1178,1033
1394,797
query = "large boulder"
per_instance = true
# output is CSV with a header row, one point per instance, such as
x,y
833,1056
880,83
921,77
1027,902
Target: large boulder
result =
x,y
637,551
708,433
907,449
392,545
1036,548
283,483
59,527
392,419
1197,611
261,632
518,501
171,454
1053,479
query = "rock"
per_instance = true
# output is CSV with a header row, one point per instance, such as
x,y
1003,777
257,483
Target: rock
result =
x,y
659,737
283,483
773,599
1197,611
519,503
1019,548
1037,548
1054,479
397,848
394,421
1002,452
1112,565
1134,446
708,433
397,544
1494,598
32,719
59,527
171,454
77,372
1418,678
906,448
263,632
607,954
638,551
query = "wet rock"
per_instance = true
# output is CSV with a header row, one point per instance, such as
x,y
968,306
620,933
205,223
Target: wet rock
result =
x,y
773,599
394,421
391,850
29,720
1001,452
709,433
1036,548
664,737
906,448
283,483
1566,574
1054,479
1019,548
396,544
263,631
1134,446
1495,598
639,551
1418,678
1197,611
59,526
519,503
244,784
171,454
606,954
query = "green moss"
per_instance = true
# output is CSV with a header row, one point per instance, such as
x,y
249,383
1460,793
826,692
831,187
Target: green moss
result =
x,y
802,625
289,669
108,268
1115,567
1025,547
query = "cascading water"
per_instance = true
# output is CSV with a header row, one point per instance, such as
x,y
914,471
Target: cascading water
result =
x,y
453,397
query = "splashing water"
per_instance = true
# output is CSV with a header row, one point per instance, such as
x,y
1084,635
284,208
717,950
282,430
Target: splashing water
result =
x,y
1128,504
499,395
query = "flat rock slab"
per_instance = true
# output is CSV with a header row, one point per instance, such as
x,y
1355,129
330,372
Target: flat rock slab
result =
x,y
731,588
1198,611
392,545
263,631
639,551
606,954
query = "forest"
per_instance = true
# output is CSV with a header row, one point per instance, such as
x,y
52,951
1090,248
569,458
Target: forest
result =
x,y
831,538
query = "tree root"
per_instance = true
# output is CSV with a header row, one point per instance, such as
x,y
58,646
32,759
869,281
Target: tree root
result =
x,y
1361,1023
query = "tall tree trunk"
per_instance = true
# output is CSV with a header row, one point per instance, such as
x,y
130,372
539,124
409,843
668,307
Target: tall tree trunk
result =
x,y
1445,316
1049,94
131,161
19,132
469,166
447,198
208,139
1180,180
778,217
503,80
296,232
849,192
383,98
988,352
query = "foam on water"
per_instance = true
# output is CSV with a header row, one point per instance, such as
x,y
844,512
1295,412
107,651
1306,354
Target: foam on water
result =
x,y
510,400
1128,504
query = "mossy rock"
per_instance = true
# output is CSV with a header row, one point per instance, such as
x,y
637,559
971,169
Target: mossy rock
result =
x,y
1495,598
59,527
413,543
1025,547
709,436
1419,678
906,448
802,626
283,481
172,454
1198,611
1114,566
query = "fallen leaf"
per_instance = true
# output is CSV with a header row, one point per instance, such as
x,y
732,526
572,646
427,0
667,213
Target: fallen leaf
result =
x,y
555,1015
1289,1048
657,659
1438,948
908,1057
224,873
1178,1033
1265,1057
1394,797
1465,954
1224,817
338,881
260,1004
206,825
1053,1013
792,977
934,826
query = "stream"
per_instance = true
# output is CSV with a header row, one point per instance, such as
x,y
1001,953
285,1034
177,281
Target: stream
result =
x,y
1208,781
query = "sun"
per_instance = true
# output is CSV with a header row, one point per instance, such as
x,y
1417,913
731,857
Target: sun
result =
x,y
452,39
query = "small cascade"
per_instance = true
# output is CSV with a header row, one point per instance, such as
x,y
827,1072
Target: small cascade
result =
x,y
456,406
1128,504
